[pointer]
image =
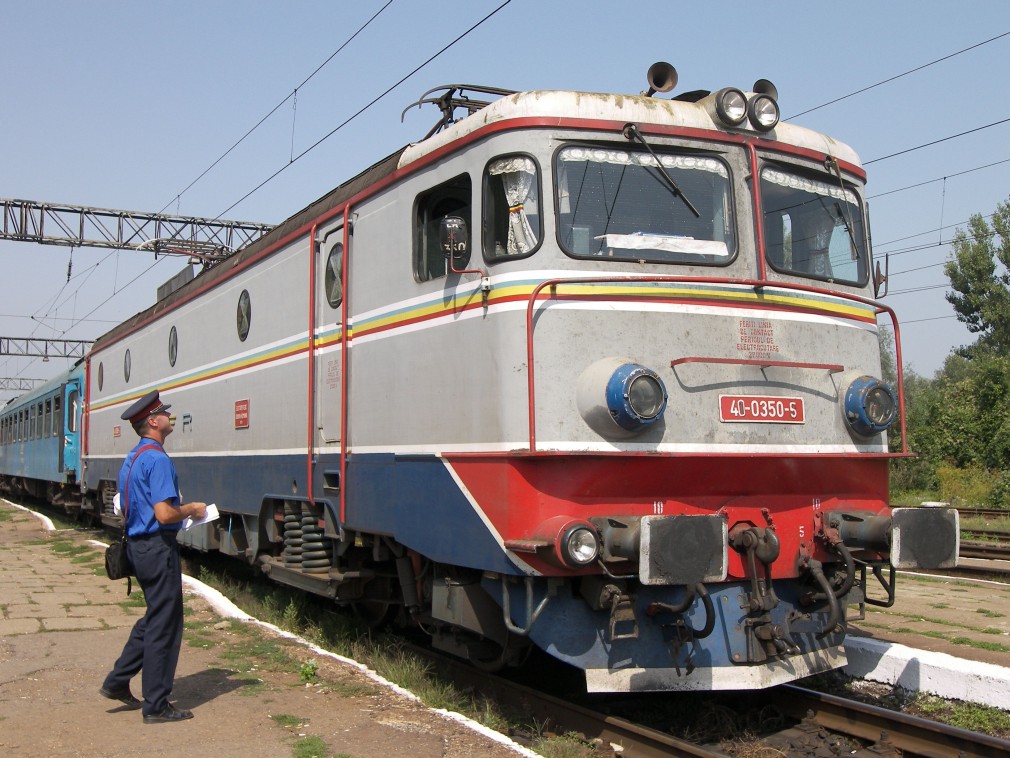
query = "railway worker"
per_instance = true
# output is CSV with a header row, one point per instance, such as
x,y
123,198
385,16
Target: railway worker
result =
x,y
149,491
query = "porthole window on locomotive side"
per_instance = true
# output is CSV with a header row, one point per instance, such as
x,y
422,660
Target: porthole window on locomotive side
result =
x,y
617,203
812,226
333,283
101,375
173,346
452,198
512,222
243,315
127,365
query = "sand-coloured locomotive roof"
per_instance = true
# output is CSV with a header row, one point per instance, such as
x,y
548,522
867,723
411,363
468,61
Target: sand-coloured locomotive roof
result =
x,y
568,106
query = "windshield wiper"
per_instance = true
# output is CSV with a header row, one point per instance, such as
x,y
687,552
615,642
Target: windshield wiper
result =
x,y
831,163
632,133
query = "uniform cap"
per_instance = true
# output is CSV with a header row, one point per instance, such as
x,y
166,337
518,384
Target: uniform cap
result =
x,y
148,405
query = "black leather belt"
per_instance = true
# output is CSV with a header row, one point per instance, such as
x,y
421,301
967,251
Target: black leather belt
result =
x,y
163,534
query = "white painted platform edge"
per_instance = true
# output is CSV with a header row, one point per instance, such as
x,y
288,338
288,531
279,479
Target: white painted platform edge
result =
x,y
921,670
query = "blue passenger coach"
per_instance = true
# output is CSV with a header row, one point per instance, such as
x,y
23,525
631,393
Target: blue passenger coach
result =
x,y
40,440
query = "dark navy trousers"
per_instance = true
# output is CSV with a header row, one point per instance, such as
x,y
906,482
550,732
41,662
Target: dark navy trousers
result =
x,y
154,643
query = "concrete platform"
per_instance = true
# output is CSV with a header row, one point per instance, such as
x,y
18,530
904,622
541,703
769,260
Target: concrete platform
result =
x,y
63,623
944,635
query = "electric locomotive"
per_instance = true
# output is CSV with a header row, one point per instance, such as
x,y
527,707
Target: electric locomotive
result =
x,y
595,373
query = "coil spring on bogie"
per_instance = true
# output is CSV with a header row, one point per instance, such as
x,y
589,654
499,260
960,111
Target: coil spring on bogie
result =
x,y
292,535
107,492
305,548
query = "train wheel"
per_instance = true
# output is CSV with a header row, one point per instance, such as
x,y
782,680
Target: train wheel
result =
x,y
85,518
379,607
497,657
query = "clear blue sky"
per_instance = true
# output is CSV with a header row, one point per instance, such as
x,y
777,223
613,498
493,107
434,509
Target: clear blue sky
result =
x,y
123,104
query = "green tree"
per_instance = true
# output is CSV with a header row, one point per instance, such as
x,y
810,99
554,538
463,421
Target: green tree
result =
x,y
916,474
885,341
979,276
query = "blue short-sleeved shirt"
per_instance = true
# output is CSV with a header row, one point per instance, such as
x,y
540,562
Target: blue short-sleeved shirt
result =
x,y
152,480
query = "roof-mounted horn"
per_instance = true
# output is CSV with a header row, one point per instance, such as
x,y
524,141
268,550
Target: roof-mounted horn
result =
x,y
765,87
662,78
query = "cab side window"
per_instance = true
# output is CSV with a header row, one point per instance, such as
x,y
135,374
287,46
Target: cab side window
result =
x,y
453,198
511,207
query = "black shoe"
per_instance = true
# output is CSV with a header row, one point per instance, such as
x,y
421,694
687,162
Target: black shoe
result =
x,y
171,713
124,696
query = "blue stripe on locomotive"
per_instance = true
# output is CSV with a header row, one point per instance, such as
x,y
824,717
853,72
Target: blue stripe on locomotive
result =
x,y
411,498
415,499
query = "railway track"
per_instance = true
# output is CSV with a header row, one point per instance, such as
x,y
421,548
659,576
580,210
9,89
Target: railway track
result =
x,y
904,735
988,542
993,551
811,722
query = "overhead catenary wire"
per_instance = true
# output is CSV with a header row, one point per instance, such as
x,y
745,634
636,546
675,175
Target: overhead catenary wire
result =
x,y
177,197
314,145
294,93
360,111
936,142
937,179
898,76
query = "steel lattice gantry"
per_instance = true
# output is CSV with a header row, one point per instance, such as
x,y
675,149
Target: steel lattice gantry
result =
x,y
81,226
43,348
19,383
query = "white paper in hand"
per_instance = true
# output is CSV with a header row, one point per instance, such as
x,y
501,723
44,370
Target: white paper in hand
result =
x,y
211,515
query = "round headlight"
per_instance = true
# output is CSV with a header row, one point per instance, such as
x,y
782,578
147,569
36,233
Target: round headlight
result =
x,y
646,396
880,406
731,105
763,112
870,406
580,546
636,396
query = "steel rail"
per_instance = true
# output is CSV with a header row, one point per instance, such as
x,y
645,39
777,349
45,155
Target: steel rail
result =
x,y
912,735
561,716
985,550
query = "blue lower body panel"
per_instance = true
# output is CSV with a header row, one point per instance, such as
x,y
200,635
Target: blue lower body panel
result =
x,y
665,655
413,499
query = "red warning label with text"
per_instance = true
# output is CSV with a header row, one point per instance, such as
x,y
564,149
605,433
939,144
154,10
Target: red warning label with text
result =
x,y
241,414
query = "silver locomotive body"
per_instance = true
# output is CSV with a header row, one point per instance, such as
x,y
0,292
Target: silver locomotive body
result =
x,y
594,373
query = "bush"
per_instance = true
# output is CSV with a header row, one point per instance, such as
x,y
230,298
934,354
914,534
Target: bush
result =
x,y
969,487
999,496
913,475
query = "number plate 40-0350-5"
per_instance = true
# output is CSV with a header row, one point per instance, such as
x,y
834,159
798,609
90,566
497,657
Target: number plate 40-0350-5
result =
x,y
761,409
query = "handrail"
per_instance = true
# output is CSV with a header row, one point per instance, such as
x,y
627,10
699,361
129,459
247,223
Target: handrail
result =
x,y
757,284
833,368
310,359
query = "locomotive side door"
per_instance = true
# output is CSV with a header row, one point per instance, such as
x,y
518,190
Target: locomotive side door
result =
x,y
329,334
70,421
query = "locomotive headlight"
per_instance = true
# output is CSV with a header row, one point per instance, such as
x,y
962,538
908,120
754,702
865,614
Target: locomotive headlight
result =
x,y
731,106
636,396
579,546
763,112
576,543
646,396
870,406
619,398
